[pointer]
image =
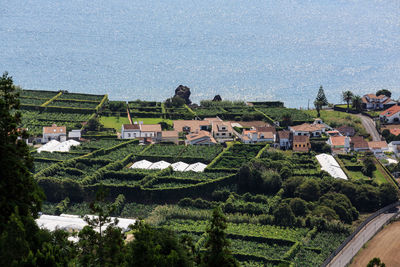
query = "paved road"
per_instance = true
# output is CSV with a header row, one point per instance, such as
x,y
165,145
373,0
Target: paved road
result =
x,y
369,125
351,249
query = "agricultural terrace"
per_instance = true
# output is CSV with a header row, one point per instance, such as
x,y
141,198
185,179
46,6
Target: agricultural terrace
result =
x,y
44,108
114,122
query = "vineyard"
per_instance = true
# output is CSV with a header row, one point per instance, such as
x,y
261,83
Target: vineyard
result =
x,y
44,108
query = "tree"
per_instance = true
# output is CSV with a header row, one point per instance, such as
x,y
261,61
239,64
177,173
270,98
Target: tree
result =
x,y
105,247
387,194
283,214
217,245
318,106
347,96
94,124
309,190
287,120
17,186
384,92
156,247
321,97
368,166
376,262
356,103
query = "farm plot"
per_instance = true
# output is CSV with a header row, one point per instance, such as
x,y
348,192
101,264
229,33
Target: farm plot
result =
x,y
165,150
32,101
208,153
122,151
241,150
73,104
87,97
59,116
277,114
56,155
38,94
97,144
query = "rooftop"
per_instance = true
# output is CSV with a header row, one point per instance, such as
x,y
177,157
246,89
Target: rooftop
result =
x,y
391,111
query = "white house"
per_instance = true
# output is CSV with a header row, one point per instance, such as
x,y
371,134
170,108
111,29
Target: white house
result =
x,y
371,101
259,134
391,115
74,134
307,129
378,147
141,131
222,131
339,144
54,132
284,140
394,147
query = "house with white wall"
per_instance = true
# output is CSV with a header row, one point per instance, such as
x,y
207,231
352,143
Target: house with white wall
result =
x,y
150,132
54,132
390,115
374,102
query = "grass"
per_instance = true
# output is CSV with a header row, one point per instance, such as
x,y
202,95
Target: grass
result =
x,y
336,118
152,120
379,177
114,122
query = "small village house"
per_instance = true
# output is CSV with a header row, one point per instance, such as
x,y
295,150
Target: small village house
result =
x,y
358,144
54,132
373,102
378,147
147,132
259,134
170,137
191,126
301,143
339,144
391,115
346,130
394,147
284,139
222,131
312,130
75,135
200,138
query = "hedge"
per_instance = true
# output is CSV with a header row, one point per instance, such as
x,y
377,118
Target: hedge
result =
x,y
45,104
269,104
101,104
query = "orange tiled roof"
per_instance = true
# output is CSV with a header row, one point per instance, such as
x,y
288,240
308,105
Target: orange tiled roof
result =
x,y
377,144
194,125
395,131
301,138
54,129
169,134
391,111
150,127
338,140
306,127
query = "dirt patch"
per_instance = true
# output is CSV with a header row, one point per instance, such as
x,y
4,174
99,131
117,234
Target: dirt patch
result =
x,y
385,245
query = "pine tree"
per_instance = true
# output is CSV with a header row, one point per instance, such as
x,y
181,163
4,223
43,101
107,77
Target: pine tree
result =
x,y
321,97
217,245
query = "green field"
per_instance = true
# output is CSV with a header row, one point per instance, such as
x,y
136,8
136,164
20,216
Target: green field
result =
x,y
114,122
152,120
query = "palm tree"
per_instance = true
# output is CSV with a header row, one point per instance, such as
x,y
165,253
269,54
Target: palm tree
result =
x,y
356,102
347,96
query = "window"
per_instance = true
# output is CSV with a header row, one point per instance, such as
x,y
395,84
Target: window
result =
x,y
223,134
129,135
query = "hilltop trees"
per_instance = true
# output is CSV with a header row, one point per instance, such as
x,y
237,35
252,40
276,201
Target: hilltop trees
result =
x,y
384,92
347,96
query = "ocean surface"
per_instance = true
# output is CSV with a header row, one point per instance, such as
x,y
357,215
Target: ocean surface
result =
x,y
242,50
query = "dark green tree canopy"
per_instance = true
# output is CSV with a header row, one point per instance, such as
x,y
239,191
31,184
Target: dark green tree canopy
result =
x,y
384,92
321,97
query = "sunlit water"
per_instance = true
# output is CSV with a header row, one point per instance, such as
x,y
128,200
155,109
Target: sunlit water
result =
x,y
251,50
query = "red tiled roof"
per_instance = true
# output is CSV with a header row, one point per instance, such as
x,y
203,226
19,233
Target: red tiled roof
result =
x,y
338,140
301,138
395,131
131,126
377,144
391,111
54,129
284,134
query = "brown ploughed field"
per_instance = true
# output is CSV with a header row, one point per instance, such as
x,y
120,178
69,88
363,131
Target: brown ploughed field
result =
x,y
385,245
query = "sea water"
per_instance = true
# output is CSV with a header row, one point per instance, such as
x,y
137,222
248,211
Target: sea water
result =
x,y
242,50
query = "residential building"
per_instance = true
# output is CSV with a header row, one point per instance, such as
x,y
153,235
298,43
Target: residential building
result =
x,y
170,137
358,144
74,134
284,139
346,130
200,138
333,133
191,126
395,131
307,129
339,144
378,147
222,131
259,134
373,102
391,115
54,132
301,143
148,132
394,147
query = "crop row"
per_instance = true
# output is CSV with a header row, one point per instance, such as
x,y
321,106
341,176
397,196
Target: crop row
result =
x,y
74,104
278,114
